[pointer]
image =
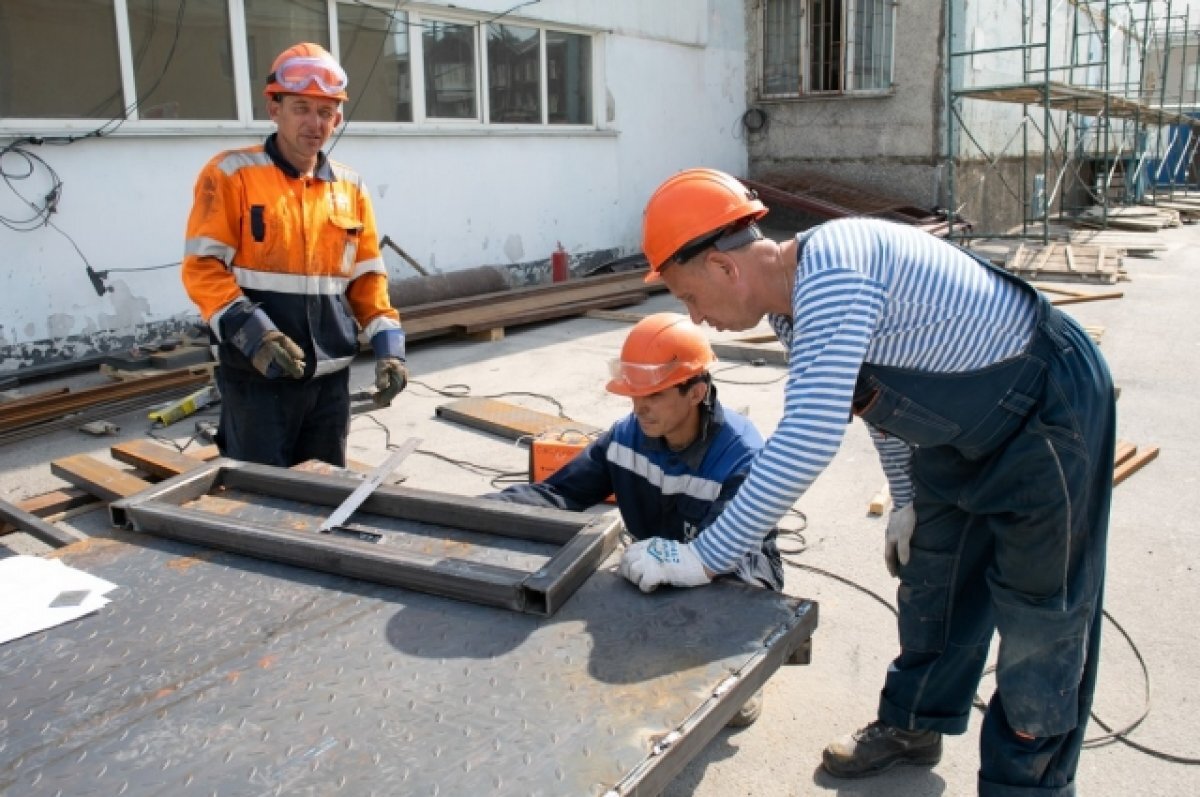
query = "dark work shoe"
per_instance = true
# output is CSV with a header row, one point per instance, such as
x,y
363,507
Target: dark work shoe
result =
x,y
879,747
749,712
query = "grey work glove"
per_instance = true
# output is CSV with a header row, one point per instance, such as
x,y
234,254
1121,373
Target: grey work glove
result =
x,y
391,376
281,351
898,539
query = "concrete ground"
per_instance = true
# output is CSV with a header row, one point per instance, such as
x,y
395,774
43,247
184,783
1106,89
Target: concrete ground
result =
x,y
1152,341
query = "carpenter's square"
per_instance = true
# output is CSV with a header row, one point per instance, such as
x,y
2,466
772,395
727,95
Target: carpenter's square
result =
x,y
362,491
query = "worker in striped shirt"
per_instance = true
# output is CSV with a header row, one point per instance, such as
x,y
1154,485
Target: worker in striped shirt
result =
x,y
994,416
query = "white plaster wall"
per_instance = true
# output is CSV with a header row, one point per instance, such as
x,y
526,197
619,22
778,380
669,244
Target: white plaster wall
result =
x,y
675,80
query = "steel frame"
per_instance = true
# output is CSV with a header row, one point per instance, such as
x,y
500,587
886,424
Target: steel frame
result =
x,y
584,540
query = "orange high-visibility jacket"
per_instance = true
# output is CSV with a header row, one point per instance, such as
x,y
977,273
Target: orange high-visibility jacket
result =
x,y
305,249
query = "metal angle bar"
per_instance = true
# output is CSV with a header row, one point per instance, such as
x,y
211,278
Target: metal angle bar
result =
x,y
35,527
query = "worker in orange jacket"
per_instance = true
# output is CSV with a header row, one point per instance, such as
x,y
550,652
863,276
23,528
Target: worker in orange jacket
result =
x,y
283,260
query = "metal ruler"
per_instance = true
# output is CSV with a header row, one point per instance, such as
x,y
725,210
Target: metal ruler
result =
x,y
364,490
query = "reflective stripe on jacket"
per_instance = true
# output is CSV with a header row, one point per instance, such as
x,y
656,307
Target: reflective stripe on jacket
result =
x,y
303,248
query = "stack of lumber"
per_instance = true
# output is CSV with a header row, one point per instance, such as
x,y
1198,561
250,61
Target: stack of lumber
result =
x,y
485,316
1055,261
1142,218
1137,244
1188,208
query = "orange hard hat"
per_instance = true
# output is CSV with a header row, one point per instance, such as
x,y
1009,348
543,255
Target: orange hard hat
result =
x,y
308,69
662,350
691,205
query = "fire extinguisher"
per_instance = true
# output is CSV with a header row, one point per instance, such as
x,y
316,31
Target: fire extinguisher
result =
x,y
558,264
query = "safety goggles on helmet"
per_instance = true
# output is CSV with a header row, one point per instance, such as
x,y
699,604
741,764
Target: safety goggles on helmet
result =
x,y
725,240
299,72
649,378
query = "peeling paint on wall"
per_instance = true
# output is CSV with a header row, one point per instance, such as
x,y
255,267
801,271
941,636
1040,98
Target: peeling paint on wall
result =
x,y
77,347
514,250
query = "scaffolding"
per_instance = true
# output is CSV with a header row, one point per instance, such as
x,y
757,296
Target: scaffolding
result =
x,y
1097,124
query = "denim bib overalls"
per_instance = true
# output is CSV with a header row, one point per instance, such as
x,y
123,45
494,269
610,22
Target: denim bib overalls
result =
x,y
1012,469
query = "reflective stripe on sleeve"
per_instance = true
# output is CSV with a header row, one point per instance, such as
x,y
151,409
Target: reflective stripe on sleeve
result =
x,y
208,247
378,324
373,266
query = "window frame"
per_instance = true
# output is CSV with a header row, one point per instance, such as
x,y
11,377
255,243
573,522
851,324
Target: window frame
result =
x,y
421,123
849,76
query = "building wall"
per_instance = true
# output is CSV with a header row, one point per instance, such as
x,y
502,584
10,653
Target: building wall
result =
x,y
901,144
673,80
890,143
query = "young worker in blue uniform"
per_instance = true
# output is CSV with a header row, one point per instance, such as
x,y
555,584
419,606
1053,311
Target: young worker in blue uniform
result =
x,y
674,462
994,416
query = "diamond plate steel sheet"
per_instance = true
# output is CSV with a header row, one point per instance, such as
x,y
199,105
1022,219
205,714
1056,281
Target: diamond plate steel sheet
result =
x,y
212,673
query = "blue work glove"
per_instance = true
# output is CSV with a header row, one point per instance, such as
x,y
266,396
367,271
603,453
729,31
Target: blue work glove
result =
x,y
655,561
898,538
272,353
391,372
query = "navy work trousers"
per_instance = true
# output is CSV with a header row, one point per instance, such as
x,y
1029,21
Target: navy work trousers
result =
x,y
1013,471
283,421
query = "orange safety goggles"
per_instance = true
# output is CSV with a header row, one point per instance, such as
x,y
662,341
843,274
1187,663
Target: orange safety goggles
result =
x,y
301,71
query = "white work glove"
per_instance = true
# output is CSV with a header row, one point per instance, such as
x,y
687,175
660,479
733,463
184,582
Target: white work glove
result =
x,y
901,523
650,563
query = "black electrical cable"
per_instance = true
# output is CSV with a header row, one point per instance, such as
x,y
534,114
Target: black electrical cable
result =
x,y
31,163
497,474
753,364
1109,737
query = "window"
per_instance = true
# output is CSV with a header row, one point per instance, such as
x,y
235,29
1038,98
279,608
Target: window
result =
x,y
826,46
53,65
514,74
569,89
377,58
449,59
182,65
101,65
271,27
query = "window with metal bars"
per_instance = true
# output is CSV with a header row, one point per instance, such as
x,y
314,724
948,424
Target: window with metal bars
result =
x,y
826,47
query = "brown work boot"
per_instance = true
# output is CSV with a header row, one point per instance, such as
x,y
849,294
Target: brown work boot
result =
x,y
749,712
879,747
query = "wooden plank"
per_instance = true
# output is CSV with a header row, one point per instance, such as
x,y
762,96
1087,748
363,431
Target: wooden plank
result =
x,y
1134,464
1124,452
103,481
154,458
52,503
879,501
615,315
1087,297
508,420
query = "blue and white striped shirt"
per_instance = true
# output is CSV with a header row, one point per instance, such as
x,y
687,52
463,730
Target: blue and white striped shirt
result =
x,y
866,291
